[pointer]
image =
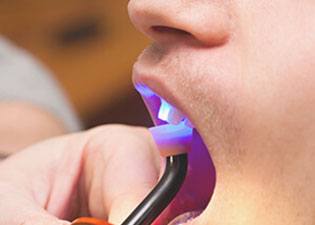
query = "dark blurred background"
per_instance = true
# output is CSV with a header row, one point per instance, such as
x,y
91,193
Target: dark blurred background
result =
x,y
90,46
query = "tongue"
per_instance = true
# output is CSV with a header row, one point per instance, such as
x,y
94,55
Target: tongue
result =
x,y
198,186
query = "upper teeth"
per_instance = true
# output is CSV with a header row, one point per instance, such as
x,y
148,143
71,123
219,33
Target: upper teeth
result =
x,y
171,115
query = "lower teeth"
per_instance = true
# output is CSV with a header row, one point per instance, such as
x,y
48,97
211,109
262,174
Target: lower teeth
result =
x,y
185,218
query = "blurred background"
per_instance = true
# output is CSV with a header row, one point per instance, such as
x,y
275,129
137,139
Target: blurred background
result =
x,y
90,46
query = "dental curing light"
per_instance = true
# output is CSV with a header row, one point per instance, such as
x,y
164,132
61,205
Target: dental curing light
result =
x,y
174,141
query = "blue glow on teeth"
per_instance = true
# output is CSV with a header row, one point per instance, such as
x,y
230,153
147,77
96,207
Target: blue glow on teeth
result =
x,y
169,113
165,110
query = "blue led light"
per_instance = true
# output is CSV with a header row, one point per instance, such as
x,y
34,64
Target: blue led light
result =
x,y
172,139
181,131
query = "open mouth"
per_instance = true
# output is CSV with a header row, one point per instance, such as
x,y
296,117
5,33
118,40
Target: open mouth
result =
x,y
199,184
161,111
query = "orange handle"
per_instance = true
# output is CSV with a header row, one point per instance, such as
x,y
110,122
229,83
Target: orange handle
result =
x,y
89,221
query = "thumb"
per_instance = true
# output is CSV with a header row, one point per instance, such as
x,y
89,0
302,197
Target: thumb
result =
x,y
127,172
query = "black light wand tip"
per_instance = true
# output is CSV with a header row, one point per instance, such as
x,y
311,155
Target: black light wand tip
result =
x,y
162,194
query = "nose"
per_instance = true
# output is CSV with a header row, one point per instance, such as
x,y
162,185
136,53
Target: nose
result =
x,y
206,21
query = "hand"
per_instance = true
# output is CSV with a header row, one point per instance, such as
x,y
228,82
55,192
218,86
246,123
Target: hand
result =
x,y
104,172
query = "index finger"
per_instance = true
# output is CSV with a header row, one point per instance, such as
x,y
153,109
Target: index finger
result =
x,y
121,166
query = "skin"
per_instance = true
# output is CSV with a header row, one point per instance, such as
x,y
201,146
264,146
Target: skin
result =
x,y
249,71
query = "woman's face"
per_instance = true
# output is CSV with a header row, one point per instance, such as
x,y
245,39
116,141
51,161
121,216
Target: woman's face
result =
x,y
244,73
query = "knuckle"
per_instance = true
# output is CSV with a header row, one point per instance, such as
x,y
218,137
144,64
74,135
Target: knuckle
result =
x,y
116,135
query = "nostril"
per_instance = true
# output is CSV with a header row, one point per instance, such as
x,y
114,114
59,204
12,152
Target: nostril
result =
x,y
169,30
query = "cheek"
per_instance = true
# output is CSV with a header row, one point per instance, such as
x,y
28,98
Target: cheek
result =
x,y
283,101
279,60
214,99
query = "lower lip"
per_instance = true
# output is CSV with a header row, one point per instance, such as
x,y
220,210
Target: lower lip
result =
x,y
192,198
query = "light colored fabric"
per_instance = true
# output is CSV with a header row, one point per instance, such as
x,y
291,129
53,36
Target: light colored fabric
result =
x,y
22,78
